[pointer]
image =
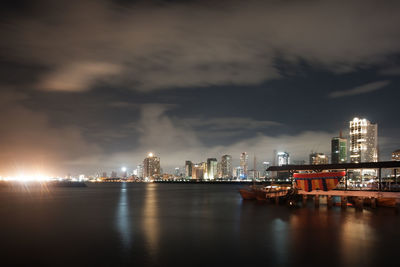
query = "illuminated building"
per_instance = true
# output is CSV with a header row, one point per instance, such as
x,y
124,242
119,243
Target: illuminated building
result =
x,y
244,163
238,173
265,167
139,171
151,166
338,150
283,158
363,141
198,171
318,158
113,174
211,168
188,169
104,175
396,155
226,166
177,171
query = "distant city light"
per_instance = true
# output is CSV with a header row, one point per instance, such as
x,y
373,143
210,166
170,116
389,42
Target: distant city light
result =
x,y
150,154
123,169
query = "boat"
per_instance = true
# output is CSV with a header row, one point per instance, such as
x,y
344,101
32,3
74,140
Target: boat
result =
x,y
271,192
325,181
248,193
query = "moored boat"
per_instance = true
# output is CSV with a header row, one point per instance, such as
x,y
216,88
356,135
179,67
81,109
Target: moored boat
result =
x,y
248,193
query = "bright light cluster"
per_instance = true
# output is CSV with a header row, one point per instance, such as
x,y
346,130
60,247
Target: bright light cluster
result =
x,y
28,178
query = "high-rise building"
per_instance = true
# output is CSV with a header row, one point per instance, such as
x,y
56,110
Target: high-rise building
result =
x,y
363,141
113,174
226,166
318,158
151,166
283,158
219,169
265,167
198,170
139,171
212,168
104,175
338,150
396,155
238,172
244,163
188,169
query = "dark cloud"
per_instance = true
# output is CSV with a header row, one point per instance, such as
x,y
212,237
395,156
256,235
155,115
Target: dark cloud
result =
x,y
362,89
93,85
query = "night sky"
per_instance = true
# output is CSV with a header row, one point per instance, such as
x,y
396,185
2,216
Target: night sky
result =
x,y
91,86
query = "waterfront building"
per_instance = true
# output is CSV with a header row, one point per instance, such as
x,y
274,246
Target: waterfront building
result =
x,y
177,172
219,169
318,158
265,167
104,175
211,168
226,166
363,141
139,171
338,150
238,172
244,163
283,158
198,171
396,155
113,174
188,169
151,166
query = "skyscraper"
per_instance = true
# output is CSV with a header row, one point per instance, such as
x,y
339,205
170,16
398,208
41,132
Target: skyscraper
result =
x,y
338,150
198,170
265,167
211,168
363,141
283,158
226,166
318,158
244,158
151,166
188,169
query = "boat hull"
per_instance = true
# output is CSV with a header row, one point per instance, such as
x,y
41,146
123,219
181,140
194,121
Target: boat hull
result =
x,y
247,194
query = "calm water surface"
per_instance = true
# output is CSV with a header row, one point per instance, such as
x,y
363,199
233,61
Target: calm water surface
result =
x,y
185,225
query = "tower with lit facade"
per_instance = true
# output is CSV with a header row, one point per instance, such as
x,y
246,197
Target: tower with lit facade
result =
x,y
318,158
211,168
188,169
244,162
226,166
363,141
338,150
151,166
283,158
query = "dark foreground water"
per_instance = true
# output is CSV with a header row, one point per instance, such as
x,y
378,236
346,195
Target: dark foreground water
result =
x,y
185,225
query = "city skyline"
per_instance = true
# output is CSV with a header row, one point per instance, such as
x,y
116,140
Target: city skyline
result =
x,y
190,80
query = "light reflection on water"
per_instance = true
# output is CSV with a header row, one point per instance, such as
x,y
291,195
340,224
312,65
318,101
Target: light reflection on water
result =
x,y
123,219
150,220
170,225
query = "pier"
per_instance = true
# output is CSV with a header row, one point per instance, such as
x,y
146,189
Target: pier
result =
x,y
383,195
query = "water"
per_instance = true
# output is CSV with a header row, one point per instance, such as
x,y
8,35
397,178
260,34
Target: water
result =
x,y
185,225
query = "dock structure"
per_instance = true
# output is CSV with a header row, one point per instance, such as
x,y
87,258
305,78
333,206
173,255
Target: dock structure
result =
x,y
358,196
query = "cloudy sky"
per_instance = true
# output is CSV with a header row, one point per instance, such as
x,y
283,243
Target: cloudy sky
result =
x,y
90,86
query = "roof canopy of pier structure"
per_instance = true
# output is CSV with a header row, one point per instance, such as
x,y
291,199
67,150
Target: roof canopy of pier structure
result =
x,y
342,166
